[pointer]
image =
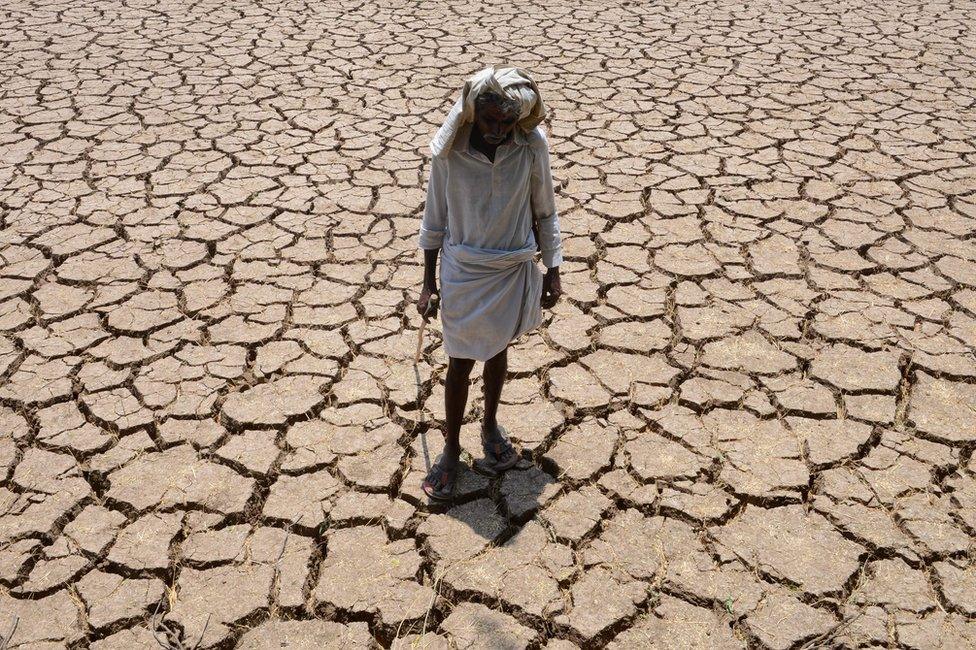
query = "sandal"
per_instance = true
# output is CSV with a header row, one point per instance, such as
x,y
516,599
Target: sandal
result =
x,y
500,455
440,483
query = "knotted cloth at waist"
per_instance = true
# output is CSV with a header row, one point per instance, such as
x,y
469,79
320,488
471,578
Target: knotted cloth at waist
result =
x,y
478,261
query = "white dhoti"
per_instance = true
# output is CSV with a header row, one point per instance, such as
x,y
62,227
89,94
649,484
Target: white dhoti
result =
x,y
488,298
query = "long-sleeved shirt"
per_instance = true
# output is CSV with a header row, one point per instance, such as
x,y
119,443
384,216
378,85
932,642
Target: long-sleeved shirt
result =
x,y
480,214
489,205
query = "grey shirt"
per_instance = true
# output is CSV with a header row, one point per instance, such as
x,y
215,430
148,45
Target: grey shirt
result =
x,y
489,205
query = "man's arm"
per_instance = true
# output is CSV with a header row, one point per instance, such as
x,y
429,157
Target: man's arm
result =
x,y
434,223
432,230
426,308
543,200
430,269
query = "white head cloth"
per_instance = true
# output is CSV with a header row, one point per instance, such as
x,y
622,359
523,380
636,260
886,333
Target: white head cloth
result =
x,y
514,83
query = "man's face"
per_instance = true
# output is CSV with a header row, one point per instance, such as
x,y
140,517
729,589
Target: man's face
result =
x,y
495,124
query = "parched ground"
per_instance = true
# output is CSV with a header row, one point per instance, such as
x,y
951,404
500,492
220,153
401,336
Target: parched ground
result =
x,y
750,423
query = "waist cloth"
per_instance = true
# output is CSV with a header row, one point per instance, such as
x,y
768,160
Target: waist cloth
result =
x,y
488,298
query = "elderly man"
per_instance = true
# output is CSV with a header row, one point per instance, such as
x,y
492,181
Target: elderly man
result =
x,y
490,207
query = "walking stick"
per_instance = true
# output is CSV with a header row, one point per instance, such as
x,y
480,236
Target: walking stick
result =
x,y
431,307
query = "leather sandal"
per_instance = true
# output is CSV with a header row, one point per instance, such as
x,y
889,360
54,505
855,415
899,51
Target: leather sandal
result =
x,y
440,483
500,455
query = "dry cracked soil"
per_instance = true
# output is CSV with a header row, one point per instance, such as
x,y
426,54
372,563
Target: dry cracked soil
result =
x,y
749,423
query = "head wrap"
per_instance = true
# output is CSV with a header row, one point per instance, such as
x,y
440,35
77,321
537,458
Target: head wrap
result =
x,y
513,83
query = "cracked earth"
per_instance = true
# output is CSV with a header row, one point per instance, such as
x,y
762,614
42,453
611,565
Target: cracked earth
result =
x,y
749,423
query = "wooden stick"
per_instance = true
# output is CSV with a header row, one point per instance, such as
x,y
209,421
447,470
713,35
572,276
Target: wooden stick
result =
x,y
420,342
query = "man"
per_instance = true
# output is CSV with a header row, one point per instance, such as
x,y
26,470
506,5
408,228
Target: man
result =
x,y
490,191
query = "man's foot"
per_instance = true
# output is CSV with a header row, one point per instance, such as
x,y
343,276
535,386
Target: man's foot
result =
x,y
500,455
442,478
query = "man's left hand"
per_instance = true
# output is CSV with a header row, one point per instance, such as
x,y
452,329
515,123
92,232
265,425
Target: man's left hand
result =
x,y
551,288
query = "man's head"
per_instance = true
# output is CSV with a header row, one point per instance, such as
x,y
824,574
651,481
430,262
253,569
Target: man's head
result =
x,y
495,116
495,101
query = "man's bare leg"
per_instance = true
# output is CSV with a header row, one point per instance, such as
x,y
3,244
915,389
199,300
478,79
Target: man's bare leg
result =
x,y
455,401
500,455
496,370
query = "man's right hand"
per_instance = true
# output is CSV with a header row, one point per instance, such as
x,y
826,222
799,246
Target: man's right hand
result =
x,y
425,306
